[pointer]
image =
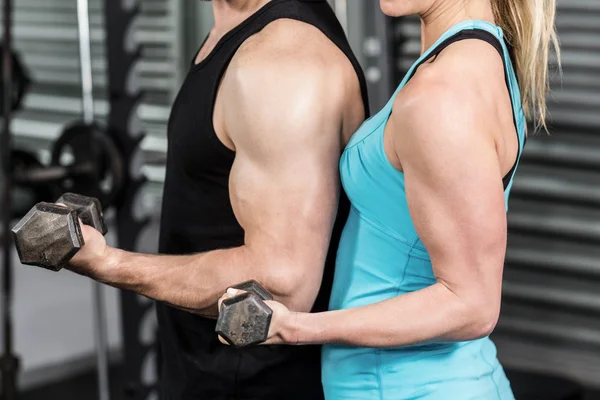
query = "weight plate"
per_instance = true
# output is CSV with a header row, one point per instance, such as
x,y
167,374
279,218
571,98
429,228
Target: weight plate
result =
x,y
94,161
20,81
25,196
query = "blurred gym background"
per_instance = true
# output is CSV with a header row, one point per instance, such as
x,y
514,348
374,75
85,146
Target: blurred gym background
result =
x,y
548,337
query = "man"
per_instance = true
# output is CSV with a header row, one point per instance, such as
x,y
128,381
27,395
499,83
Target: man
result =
x,y
251,192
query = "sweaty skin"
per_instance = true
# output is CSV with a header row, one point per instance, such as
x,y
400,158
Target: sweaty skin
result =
x,y
445,148
287,105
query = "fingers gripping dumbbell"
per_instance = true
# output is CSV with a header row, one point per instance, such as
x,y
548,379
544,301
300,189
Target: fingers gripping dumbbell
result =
x,y
50,234
244,320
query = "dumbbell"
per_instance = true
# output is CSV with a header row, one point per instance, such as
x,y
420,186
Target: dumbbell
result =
x,y
244,320
49,235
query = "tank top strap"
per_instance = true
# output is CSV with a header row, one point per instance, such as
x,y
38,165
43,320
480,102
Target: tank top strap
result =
x,y
428,54
454,34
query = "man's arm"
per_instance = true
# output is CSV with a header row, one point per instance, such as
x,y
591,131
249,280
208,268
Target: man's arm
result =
x,y
282,113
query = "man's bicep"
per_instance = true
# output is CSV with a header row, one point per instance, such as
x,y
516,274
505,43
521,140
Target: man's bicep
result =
x,y
284,187
283,198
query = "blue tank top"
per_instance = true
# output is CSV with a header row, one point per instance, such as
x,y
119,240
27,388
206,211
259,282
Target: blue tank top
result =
x,y
380,256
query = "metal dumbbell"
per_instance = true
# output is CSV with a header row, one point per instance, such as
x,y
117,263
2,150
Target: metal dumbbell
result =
x,y
244,320
50,234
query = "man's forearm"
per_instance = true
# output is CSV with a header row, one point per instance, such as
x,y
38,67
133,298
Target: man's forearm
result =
x,y
190,282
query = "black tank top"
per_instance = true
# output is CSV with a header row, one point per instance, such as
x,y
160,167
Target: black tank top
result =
x,y
197,216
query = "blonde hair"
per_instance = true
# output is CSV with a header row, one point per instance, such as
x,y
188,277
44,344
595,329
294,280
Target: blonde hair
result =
x,y
529,28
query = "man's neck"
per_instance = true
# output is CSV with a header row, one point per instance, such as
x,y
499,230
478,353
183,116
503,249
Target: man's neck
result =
x,y
444,14
230,13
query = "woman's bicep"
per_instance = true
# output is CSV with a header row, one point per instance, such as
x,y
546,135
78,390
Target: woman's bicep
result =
x,y
455,194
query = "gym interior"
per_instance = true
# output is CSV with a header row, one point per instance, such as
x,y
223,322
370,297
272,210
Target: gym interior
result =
x,y
111,69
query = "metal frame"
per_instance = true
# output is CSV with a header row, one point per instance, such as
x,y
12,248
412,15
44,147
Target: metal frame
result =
x,y
87,103
125,95
9,362
377,49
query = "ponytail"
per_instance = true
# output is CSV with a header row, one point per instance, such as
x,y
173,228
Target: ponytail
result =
x,y
530,30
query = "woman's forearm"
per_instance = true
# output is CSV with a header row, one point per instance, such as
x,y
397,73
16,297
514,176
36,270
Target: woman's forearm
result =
x,y
431,314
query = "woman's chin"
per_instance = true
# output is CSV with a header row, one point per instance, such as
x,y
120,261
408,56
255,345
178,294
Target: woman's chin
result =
x,y
395,8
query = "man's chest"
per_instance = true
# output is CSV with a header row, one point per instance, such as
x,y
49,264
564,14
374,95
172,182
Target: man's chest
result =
x,y
193,146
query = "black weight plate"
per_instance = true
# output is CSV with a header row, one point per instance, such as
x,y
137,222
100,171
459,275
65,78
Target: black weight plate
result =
x,y
89,145
20,81
25,196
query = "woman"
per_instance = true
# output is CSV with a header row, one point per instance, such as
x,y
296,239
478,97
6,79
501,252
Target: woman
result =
x,y
419,270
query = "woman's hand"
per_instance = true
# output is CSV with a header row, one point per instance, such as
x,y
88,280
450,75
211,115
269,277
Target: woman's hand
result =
x,y
282,329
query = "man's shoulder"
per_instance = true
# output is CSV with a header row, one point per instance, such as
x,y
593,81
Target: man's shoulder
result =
x,y
293,47
290,73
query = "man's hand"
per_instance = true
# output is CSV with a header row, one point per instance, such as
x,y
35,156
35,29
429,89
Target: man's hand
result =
x,y
91,259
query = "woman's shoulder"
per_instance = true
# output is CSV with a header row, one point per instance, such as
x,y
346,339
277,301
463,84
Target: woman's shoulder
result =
x,y
463,83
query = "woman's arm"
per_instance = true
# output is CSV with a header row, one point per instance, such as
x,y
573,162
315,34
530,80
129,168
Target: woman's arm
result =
x,y
444,136
434,314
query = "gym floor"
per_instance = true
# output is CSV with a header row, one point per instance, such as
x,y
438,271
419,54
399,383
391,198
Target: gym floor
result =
x,y
83,387
80,387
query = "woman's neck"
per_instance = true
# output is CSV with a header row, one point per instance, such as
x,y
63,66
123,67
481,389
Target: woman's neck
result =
x,y
444,14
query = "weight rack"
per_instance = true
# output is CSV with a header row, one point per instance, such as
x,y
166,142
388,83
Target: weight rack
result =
x,y
123,124
124,127
9,362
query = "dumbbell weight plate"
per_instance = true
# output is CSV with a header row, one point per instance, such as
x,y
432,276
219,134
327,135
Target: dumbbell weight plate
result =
x,y
256,288
244,320
48,236
89,210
